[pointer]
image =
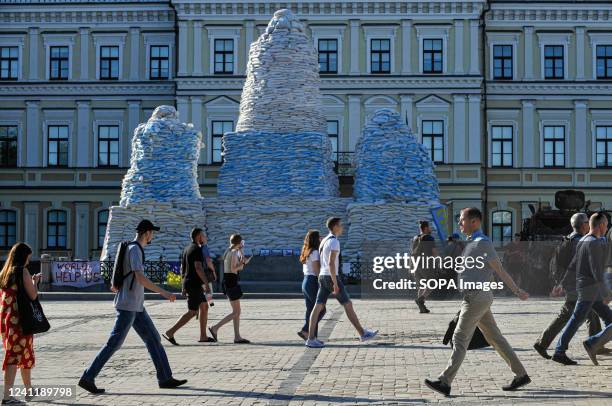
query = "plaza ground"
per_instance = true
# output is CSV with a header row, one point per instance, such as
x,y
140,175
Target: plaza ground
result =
x,y
278,370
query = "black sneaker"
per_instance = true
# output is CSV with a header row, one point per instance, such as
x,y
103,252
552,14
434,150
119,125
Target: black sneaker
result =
x,y
563,359
422,307
90,386
172,383
438,386
541,350
517,382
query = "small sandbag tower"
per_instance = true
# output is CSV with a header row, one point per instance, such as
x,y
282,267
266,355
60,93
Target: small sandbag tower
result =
x,y
395,187
277,180
161,185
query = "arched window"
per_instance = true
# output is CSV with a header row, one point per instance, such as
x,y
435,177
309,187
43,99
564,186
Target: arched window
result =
x,y
56,229
102,222
502,226
8,229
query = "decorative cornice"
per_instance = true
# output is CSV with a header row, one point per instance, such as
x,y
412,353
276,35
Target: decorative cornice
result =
x,y
519,89
190,9
540,13
343,83
12,90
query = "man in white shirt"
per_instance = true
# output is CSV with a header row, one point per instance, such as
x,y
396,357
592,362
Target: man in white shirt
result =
x,y
329,282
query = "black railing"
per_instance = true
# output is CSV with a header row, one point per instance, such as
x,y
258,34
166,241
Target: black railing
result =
x,y
344,163
156,271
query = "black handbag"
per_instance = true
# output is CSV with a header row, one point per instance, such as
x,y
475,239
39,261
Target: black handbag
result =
x,y
478,339
31,315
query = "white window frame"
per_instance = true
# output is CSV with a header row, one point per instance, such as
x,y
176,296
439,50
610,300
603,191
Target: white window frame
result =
x,y
159,39
503,206
108,122
435,117
209,123
15,118
503,39
386,32
46,210
14,41
222,33
58,40
502,123
329,32
5,205
598,39
334,111
433,32
96,212
52,118
101,40
599,118
545,39
552,120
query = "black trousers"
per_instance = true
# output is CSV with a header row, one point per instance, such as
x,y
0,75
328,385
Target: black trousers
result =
x,y
559,322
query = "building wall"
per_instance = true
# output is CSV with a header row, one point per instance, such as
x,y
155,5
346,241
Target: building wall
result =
x,y
459,97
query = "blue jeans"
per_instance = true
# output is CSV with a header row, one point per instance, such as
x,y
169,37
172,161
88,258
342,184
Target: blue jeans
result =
x,y
310,287
599,340
144,327
580,314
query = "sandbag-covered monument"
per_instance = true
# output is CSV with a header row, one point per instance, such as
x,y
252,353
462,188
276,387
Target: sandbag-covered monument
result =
x,y
277,180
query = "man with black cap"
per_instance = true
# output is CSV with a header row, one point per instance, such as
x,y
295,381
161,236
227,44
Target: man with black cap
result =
x,y
129,305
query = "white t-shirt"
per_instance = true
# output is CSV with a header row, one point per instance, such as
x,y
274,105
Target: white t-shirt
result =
x,y
307,267
329,244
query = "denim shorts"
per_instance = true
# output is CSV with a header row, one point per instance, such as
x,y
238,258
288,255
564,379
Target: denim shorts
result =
x,y
326,289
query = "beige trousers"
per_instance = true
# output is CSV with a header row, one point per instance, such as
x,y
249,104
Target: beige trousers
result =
x,y
476,311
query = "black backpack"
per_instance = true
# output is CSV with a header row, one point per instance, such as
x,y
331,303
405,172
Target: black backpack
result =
x,y
118,275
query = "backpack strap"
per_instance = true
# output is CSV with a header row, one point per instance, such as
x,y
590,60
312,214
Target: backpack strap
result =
x,y
143,260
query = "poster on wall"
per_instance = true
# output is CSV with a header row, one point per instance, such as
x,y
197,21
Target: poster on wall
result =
x,y
78,274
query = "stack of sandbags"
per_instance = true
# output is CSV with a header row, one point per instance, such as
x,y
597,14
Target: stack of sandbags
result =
x,y
280,146
391,164
161,185
268,224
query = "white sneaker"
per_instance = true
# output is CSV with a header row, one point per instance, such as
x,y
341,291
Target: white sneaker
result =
x,y
368,334
314,343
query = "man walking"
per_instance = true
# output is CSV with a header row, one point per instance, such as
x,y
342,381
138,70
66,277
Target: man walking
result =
x,y
476,307
195,285
423,245
589,262
565,275
329,282
129,305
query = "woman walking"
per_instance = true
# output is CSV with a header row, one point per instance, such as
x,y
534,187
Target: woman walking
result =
x,y
18,348
311,266
233,262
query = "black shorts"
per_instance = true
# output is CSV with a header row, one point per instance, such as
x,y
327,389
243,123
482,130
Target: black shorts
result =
x,y
195,297
231,286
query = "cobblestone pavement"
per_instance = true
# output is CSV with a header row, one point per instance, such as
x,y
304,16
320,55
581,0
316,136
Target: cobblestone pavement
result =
x,y
278,370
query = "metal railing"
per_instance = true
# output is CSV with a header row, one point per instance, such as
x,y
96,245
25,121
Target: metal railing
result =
x,y
344,164
156,271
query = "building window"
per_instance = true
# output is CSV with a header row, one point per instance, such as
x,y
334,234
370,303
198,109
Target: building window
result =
x,y
501,146
224,56
328,56
332,132
502,62
108,145
56,229
57,145
8,229
554,146
604,61
58,63
380,56
218,129
553,62
433,139
109,62
502,226
102,222
603,146
159,64
8,146
9,63
432,56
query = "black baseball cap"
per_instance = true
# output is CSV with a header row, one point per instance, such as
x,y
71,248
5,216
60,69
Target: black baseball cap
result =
x,y
146,225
